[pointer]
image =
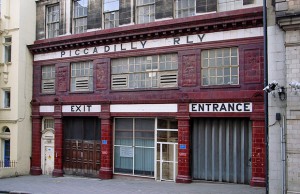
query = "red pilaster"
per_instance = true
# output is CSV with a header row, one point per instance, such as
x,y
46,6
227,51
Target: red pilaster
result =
x,y
106,171
58,145
35,168
184,174
258,154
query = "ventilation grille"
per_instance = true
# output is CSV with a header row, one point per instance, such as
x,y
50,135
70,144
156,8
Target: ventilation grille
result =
x,y
82,84
119,81
48,86
168,79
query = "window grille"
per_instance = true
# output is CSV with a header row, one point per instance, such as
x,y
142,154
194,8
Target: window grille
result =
x,y
157,71
220,67
48,79
49,124
82,76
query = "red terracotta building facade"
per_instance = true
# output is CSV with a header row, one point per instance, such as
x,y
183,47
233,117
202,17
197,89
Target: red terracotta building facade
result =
x,y
168,94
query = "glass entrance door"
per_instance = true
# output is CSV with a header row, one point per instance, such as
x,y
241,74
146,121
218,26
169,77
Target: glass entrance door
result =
x,y
166,161
166,150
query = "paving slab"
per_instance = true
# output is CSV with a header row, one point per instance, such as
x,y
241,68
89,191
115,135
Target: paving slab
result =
x,y
120,185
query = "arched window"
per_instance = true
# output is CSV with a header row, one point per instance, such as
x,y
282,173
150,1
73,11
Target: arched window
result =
x,y
5,147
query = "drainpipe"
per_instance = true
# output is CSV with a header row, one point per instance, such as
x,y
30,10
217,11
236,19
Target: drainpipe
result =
x,y
265,94
283,154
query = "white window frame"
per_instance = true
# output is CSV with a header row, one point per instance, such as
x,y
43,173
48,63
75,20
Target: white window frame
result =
x,y
142,6
190,13
48,79
6,104
7,44
155,71
111,14
220,68
52,23
80,16
82,76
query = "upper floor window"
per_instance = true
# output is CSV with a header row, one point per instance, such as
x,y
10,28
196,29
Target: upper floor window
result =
x,y
145,11
52,21
80,16
204,6
248,2
157,71
111,13
7,49
6,98
220,66
82,76
185,8
48,79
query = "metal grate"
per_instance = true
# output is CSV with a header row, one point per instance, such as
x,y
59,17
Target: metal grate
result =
x,y
222,150
8,164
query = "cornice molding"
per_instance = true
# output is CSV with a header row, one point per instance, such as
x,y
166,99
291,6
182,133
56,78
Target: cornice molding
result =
x,y
289,22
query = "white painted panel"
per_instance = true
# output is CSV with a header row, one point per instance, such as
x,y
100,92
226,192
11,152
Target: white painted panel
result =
x,y
46,108
143,108
81,108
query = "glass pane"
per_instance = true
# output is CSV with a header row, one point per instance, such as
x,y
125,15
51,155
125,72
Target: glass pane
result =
x,y
167,123
168,171
123,131
123,160
144,161
167,136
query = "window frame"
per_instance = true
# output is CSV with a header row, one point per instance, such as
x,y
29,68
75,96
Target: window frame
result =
x,y
145,5
176,9
86,87
217,67
158,71
76,18
50,25
7,49
47,77
6,95
115,11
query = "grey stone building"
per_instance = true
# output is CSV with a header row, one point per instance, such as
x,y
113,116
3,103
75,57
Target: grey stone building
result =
x,y
284,67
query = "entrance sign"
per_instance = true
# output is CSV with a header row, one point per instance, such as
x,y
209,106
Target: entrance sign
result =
x,y
81,108
221,107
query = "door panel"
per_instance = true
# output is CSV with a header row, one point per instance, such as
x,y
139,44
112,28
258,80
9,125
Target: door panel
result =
x,y
49,160
82,157
82,150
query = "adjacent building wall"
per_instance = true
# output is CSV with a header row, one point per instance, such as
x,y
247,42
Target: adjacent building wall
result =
x,y
284,66
16,22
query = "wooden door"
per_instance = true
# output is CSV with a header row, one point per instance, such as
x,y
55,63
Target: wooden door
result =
x,y
82,151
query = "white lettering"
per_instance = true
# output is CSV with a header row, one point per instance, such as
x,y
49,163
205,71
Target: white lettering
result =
x,y
221,107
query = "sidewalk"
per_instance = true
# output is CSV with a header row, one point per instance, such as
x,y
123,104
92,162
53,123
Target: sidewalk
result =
x,y
120,185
